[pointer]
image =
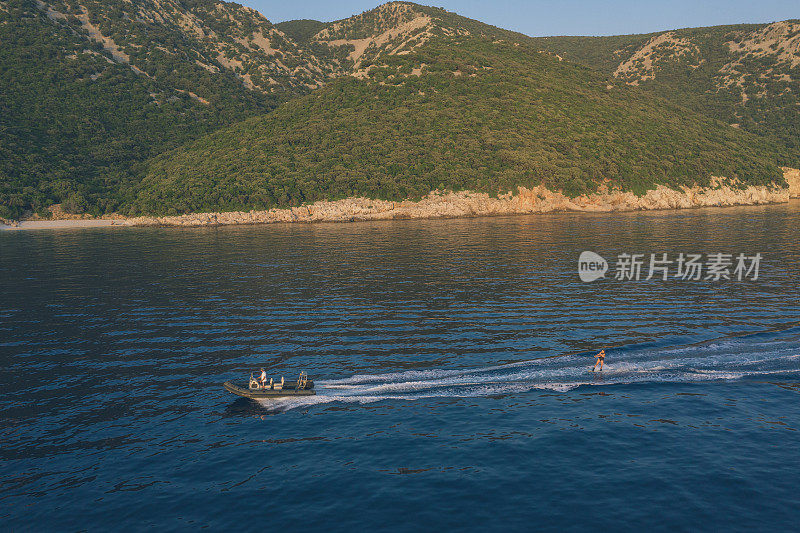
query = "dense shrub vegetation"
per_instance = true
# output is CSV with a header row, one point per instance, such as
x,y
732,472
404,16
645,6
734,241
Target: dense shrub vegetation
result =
x,y
179,117
74,124
482,115
712,79
301,30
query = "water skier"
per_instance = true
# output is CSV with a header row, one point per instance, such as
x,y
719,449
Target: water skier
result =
x,y
601,357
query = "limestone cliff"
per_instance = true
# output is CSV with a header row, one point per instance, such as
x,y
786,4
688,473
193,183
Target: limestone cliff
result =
x,y
792,177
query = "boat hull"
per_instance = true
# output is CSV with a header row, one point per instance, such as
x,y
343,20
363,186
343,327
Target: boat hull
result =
x,y
288,391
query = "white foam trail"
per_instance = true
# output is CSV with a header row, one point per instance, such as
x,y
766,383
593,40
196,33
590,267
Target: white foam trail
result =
x,y
730,359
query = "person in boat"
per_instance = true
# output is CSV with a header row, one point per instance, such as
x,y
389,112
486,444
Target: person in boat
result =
x,y
601,357
263,378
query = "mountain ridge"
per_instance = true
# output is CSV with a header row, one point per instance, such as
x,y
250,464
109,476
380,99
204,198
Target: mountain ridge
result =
x,y
747,75
124,83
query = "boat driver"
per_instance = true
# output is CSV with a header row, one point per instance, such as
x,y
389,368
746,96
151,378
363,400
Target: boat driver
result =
x,y
263,378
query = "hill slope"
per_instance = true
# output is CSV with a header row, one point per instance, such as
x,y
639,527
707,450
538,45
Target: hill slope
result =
x,y
89,89
459,111
747,75
94,95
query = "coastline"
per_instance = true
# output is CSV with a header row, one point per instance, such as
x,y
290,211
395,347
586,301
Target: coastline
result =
x,y
26,225
438,204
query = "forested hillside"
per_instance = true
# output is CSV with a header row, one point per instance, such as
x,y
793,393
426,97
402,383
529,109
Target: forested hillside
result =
x,y
160,106
746,75
89,90
74,119
460,112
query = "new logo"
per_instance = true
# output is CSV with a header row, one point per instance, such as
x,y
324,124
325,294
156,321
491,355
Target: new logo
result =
x,y
591,266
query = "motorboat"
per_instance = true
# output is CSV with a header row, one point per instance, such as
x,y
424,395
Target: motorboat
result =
x,y
258,390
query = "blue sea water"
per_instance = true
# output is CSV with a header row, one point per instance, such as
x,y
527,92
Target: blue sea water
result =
x,y
451,359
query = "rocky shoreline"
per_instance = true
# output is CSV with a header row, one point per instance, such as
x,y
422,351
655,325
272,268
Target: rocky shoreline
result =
x,y
448,204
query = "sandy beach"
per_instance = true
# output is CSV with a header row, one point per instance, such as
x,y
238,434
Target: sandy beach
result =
x,y
62,224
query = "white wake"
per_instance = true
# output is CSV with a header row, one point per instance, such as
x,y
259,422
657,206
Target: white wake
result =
x,y
733,358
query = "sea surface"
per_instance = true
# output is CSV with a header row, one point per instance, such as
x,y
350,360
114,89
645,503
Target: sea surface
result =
x,y
451,359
